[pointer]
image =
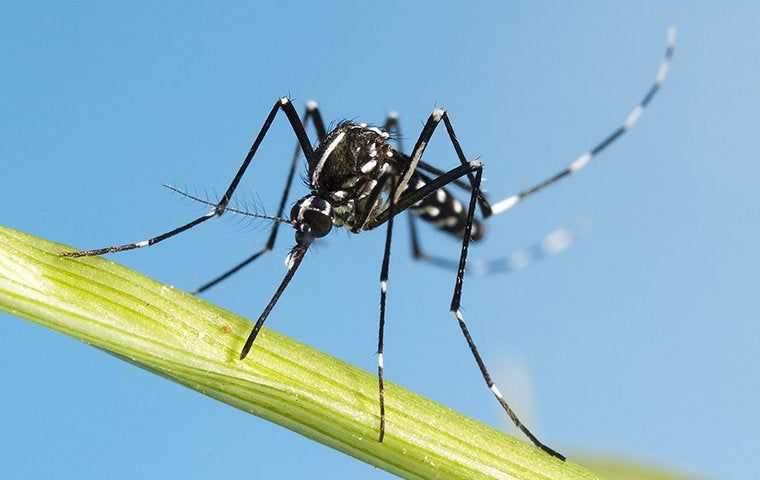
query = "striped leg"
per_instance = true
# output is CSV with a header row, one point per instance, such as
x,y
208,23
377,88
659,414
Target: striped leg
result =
x,y
393,127
406,201
554,243
312,112
410,197
219,209
381,327
294,261
457,311
419,149
584,159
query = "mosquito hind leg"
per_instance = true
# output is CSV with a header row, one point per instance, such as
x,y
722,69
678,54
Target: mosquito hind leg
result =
x,y
585,158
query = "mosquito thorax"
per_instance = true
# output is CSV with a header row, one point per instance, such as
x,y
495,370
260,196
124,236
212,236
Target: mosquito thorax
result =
x,y
313,215
347,166
351,153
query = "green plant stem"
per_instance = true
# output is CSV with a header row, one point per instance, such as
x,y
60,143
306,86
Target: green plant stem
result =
x,y
620,469
197,344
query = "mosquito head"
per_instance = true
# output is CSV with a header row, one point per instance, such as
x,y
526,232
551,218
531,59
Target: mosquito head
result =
x,y
313,215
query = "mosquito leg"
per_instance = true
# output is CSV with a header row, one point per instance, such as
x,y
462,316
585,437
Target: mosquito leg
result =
x,y
312,112
283,104
294,261
457,311
419,148
630,121
381,328
553,243
141,243
409,199
393,127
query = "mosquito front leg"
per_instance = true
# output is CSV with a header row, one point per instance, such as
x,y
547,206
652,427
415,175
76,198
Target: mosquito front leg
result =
x,y
312,112
283,104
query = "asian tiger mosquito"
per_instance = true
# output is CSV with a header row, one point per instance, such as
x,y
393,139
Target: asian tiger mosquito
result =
x,y
359,181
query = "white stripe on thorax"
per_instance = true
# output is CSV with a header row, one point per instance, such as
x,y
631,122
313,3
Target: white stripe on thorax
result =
x,y
333,145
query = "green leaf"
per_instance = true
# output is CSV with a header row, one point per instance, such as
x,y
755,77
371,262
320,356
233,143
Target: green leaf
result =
x,y
190,341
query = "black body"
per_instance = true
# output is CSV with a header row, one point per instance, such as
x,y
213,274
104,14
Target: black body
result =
x,y
351,162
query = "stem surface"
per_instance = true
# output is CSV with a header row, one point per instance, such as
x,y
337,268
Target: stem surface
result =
x,y
185,339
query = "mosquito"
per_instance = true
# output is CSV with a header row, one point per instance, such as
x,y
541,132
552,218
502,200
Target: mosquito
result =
x,y
359,181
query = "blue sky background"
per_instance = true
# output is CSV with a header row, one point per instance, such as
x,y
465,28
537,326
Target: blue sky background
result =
x,y
641,341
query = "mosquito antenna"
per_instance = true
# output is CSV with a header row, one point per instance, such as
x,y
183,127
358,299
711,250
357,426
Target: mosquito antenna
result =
x,y
228,209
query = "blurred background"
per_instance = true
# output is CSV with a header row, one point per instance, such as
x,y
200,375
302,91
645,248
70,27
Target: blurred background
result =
x,y
641,341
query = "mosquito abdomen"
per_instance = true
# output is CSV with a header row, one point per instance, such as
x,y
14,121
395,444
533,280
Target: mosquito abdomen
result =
x,y
445,212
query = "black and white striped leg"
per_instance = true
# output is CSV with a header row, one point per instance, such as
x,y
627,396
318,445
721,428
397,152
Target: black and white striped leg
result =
x,y
381,326
142,243
294,261
584,159
553,243
419,148
311,112
457,311
426,167
410,198
393,127
497,393
363,216
303,140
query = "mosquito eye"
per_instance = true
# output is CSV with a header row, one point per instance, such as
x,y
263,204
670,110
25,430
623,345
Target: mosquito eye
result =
x,y
320,223
314,215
